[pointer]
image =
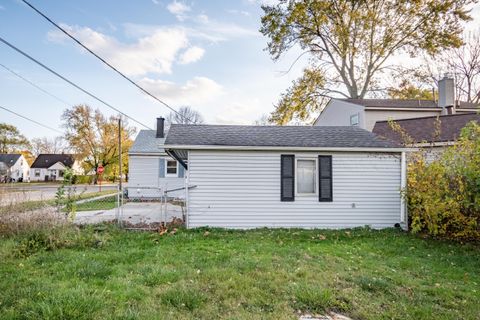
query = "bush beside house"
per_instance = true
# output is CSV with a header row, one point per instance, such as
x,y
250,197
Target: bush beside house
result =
x,y
444,194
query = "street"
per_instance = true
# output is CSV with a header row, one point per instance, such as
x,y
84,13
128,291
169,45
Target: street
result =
x,y
21,192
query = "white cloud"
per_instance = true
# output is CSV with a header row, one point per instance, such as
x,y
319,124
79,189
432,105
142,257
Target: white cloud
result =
x,y
241,12
154,53
263,2
194,92
192,54
237,112
203,18
203,29
179,9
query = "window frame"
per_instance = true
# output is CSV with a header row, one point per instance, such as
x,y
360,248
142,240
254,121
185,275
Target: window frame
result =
x,y
166,168
315,175
37,173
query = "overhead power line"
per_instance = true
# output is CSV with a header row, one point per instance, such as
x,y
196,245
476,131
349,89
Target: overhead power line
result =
x,y
70,82
34,85
31,120
103,60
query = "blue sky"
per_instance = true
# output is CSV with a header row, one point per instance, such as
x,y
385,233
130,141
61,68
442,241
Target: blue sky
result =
x,y
206,54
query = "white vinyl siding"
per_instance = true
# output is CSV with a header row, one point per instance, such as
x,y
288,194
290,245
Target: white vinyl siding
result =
x,y
241,189
144,180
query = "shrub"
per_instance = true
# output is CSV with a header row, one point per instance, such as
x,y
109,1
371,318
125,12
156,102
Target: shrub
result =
x,y
65,195
82,179
443,195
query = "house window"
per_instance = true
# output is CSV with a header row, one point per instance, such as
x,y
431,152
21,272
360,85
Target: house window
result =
x,y
37,172
354,119
60,173
171,167
306,176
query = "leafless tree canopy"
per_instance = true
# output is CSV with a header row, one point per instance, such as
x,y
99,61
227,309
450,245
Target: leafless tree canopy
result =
x,y
48,145
464,63
185,115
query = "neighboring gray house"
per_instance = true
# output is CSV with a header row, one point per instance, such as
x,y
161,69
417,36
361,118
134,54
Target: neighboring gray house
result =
x,y
151,172
364,113
16,166
289,176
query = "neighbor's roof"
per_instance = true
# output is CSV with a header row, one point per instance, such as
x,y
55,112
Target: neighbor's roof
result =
x,y
47,160
147,142
274,136
9,158
423,129
411,103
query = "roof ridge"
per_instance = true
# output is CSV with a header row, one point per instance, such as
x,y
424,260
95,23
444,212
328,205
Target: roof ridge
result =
x,y
429,117
264,126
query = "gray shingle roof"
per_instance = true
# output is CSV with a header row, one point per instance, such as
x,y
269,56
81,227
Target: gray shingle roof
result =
x,y
146,142
46,160
9,158
424,129
275,136
407,103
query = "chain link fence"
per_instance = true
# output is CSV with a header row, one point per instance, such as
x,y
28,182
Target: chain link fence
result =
x,y
142,208
147,207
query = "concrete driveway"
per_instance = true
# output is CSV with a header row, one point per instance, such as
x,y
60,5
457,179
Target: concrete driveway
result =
x,y
136,213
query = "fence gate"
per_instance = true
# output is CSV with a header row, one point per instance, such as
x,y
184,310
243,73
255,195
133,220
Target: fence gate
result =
x,y
147,207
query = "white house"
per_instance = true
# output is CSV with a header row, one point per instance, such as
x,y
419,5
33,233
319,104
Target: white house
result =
x,y
50,167
289,176
151,172
17,167
364,113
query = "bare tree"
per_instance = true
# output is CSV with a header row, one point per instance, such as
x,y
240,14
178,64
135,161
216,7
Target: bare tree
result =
x,y
48,145
184,115
464,63
262,121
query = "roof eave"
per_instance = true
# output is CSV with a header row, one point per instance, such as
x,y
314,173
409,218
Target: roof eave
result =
x,y
289,148
403,108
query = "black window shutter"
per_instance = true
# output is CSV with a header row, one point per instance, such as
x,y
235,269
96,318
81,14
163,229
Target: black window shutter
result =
x,y
287,177
325,193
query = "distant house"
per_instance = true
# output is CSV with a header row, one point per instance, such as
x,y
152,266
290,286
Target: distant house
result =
x,y
434,133
17,167
289,176
50,167
151,171
364,113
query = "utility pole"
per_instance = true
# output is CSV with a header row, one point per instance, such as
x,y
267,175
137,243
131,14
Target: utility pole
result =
x,y
120,152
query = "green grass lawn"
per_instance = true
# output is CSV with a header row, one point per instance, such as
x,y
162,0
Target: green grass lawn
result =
x,y
99,204
258,274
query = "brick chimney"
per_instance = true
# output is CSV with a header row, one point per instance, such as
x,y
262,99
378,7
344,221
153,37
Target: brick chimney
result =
x,y
446,94
160,127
